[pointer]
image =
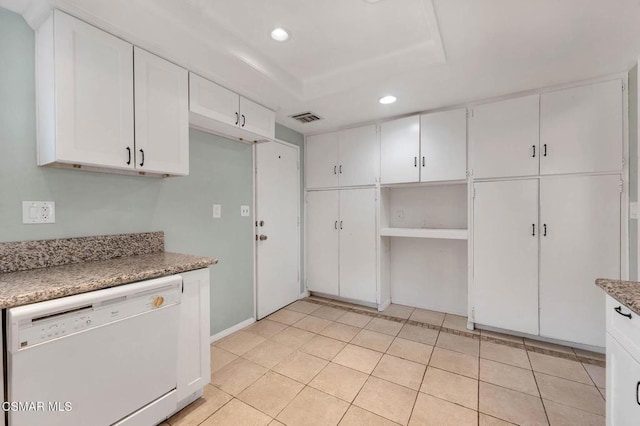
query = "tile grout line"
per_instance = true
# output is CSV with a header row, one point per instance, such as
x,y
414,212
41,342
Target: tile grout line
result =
x,y
535,379
413,407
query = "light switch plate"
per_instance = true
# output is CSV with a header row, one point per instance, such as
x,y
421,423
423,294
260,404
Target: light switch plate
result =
x,y
244,211
633,210
34,212
217,211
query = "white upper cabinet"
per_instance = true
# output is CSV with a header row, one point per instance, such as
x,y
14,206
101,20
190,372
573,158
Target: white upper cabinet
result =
x,y
213,101
85,95
400,150
162,115
218,110
345,158
581,129
443,146
321,165
359,156
256,118
504,138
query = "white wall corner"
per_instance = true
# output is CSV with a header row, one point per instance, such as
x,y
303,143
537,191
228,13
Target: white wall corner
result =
x,y
36,11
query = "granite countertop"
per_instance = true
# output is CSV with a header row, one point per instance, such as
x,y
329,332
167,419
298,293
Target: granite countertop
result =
x,y
625,292
37,285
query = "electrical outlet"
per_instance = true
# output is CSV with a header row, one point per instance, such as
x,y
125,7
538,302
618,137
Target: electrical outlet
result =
x,y
399,215
34,212
244,211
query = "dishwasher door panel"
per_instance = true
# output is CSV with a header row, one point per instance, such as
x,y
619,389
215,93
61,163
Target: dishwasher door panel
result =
x,y
105,373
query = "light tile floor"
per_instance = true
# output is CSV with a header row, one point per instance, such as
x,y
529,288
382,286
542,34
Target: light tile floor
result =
x,y
317,362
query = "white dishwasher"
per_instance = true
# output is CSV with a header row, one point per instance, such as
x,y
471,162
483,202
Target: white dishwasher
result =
x,y
99,358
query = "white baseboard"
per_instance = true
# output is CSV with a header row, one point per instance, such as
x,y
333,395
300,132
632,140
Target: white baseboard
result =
x,y
384,305
232,329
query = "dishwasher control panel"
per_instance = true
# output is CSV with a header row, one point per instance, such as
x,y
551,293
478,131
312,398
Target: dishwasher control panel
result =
x,y
87,314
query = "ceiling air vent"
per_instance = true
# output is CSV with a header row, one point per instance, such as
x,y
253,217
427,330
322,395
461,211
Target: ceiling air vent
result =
x,y
306,117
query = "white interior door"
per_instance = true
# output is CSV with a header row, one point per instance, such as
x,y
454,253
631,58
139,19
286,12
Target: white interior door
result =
x,y
358,244
322,241
582,242
505,255
399,150
504,138
581,129
278,230
358,155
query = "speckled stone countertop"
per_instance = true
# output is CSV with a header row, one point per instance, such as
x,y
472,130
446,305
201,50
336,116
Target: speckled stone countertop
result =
x,y
625,292
37,285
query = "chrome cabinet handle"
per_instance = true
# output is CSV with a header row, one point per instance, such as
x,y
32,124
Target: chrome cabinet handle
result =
x,y
618,309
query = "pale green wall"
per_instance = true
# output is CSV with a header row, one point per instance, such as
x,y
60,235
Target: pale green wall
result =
x,y
95,203
633,170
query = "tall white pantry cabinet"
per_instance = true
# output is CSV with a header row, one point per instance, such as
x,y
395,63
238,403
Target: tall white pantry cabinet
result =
x,y
505,211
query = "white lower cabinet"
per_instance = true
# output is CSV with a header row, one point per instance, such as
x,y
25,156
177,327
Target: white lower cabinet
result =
x,y
623,365
538,247
505,247
194,356
341,243
579,242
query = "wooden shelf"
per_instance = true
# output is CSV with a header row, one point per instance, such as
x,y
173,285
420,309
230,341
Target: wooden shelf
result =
x,y
444,234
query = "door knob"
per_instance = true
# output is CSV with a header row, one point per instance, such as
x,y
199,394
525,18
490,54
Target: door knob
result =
x,y
263,237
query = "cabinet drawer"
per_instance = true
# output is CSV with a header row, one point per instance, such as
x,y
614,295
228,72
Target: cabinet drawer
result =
x,y
623,385
624,329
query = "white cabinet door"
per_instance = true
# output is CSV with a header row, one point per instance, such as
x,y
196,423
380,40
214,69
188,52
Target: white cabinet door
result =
x,y
213,101
322,241
503,137
623,386
321,161
399,150
358,156
505,247
93,95
257,119
443,146
581,129
194,356
579,242
162,115
358,244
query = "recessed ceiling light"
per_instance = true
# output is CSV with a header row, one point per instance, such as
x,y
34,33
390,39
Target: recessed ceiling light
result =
x,y
280,34
385,100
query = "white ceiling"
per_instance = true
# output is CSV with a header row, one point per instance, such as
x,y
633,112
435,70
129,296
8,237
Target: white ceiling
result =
x,y
345,54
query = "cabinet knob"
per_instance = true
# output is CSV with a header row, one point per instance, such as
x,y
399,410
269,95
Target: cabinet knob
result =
x,y
263,237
